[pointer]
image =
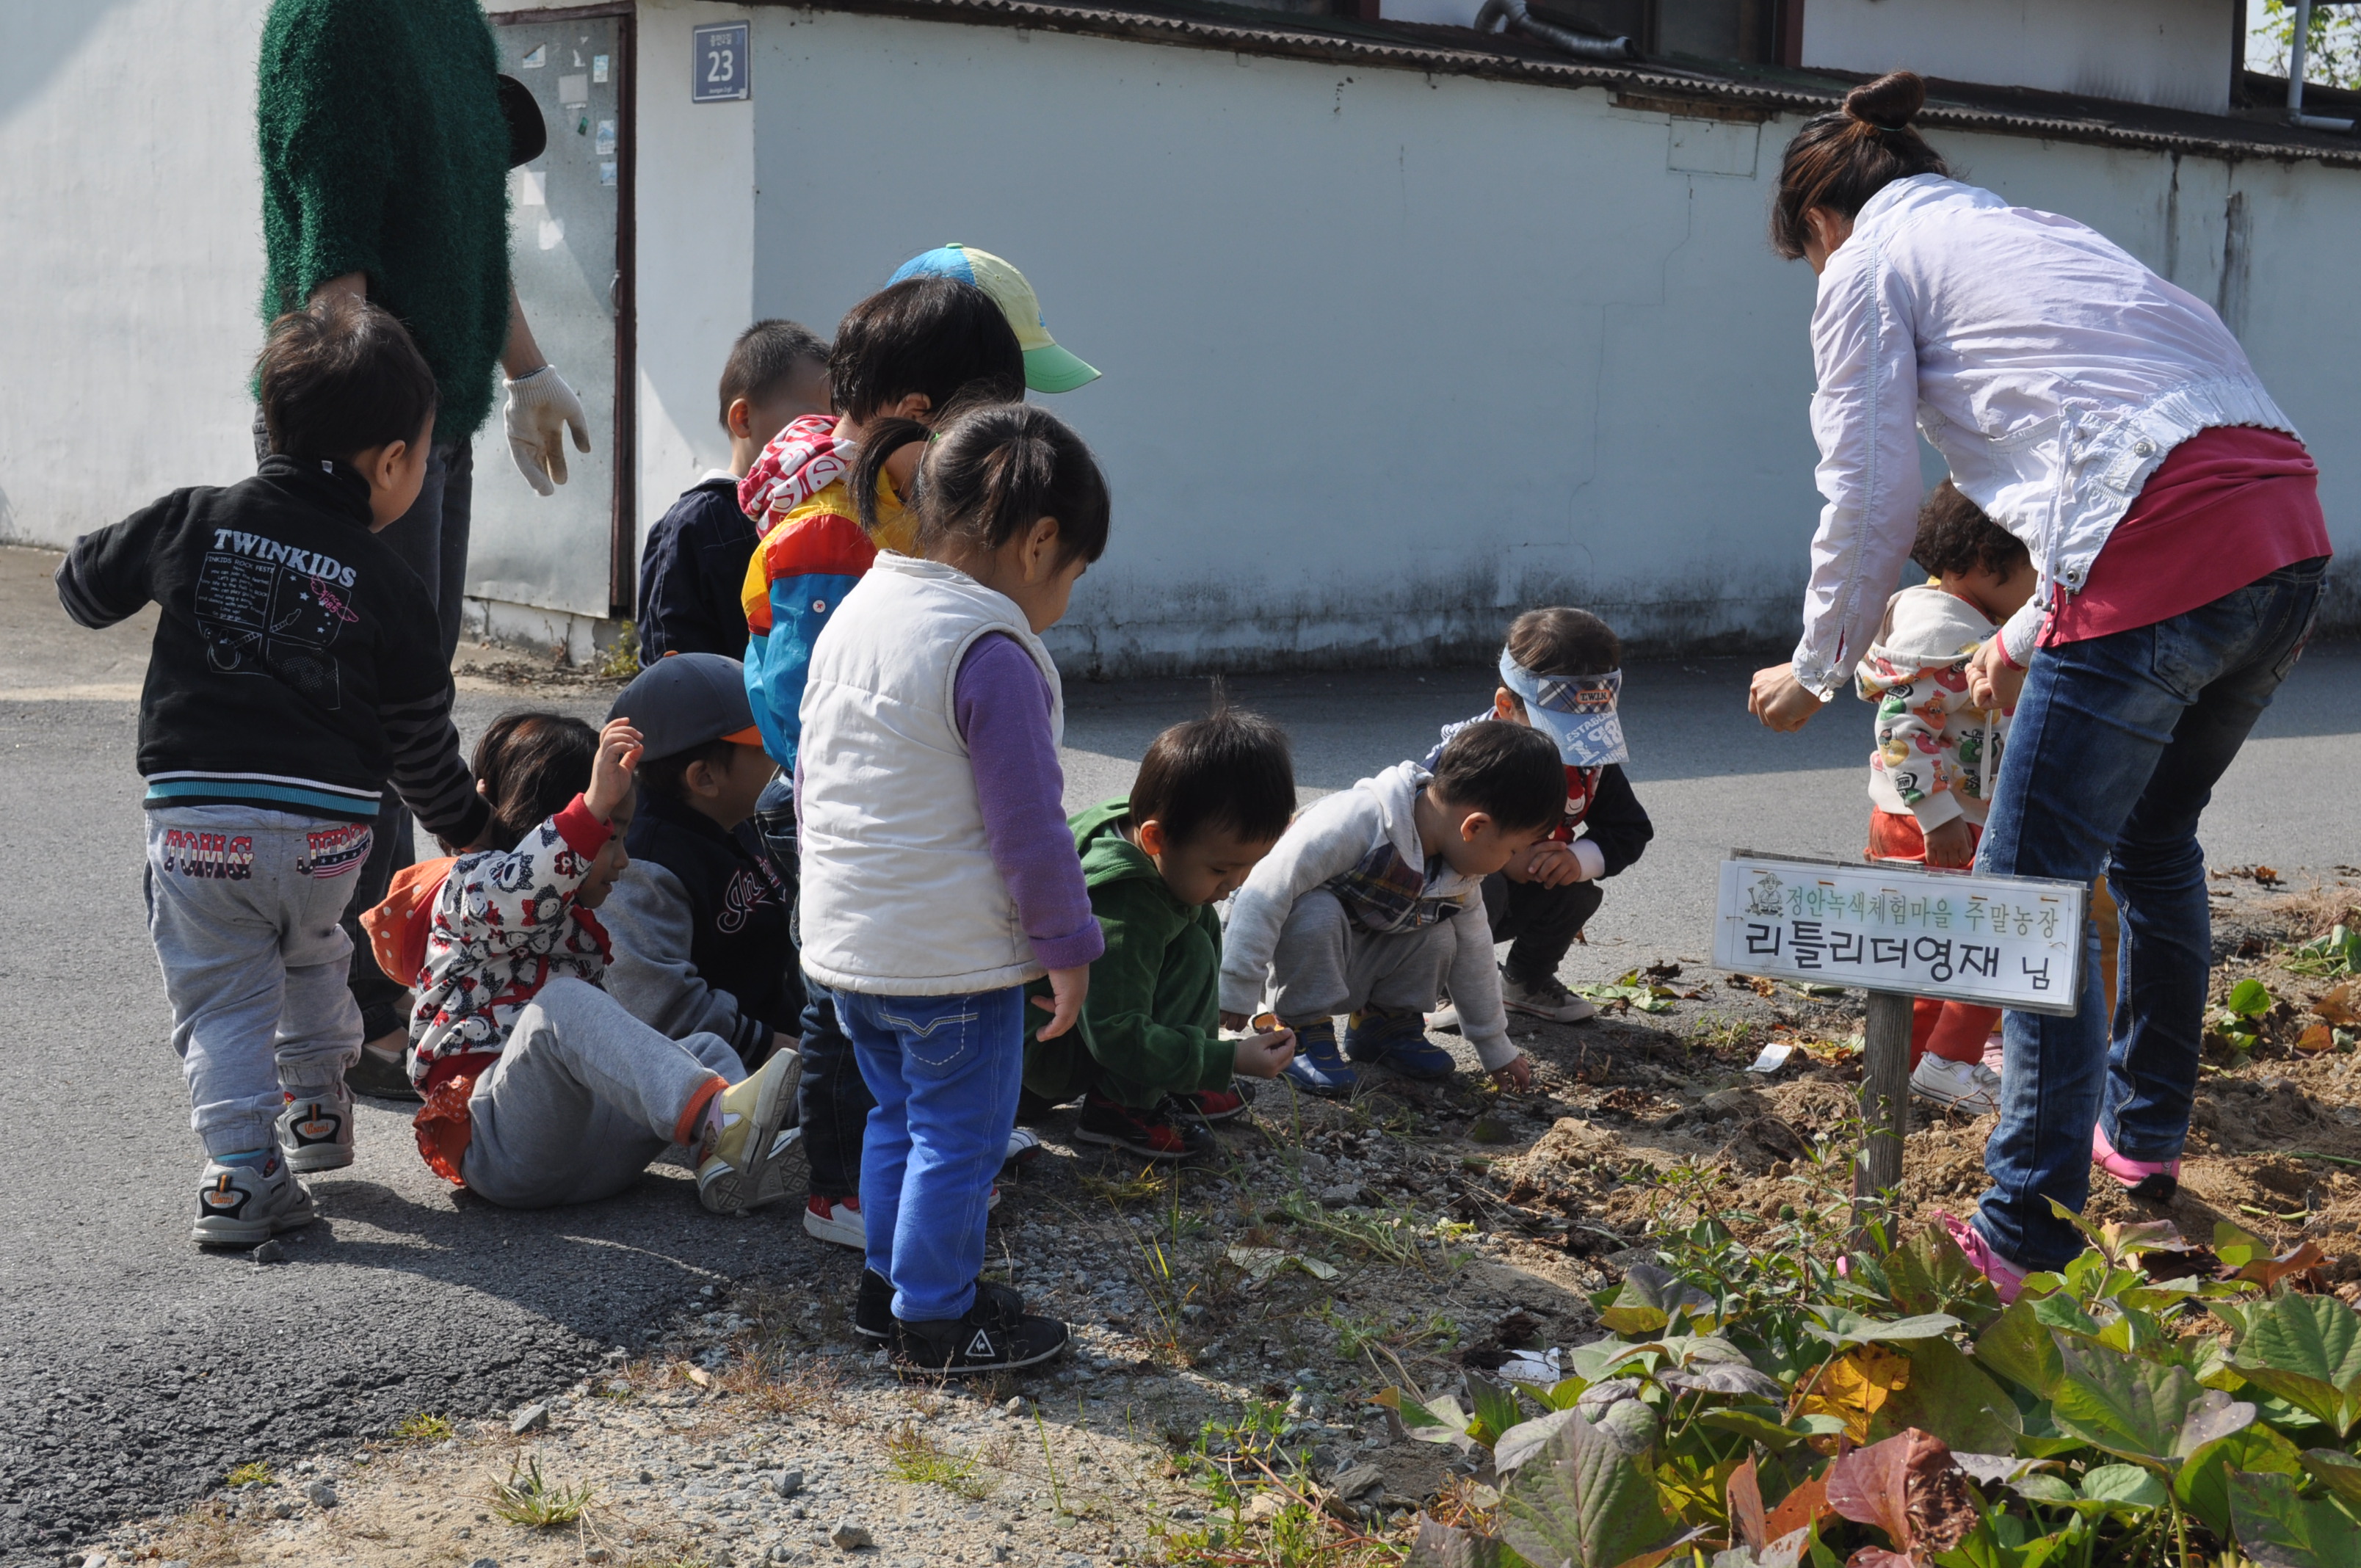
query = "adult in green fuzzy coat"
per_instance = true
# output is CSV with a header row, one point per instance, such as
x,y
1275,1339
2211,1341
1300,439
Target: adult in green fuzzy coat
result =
x,y
386,135
1149,1061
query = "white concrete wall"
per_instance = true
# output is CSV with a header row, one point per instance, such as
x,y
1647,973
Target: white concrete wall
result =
x,y
2173,52
1388,356
130,255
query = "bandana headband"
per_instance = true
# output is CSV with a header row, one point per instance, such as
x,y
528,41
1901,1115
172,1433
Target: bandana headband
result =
x,y
1576,711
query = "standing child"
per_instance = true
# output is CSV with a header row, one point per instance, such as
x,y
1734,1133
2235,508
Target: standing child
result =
x,y
698,921
694,565
296,665
540,1089
939,875
1213,795
1561,673
1375,893
1930,776
905,353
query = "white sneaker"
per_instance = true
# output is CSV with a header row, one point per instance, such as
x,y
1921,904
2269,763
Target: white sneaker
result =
x,y
1544,998
1445,1018
1964,1086
240,1205
836,1221
1023,1145
315,1128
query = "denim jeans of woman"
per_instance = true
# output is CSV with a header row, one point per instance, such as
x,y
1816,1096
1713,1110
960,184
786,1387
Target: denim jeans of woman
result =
x,y
2113,753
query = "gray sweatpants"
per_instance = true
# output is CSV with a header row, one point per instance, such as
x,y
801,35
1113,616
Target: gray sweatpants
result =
x,y
242,906
1325,964
582,1098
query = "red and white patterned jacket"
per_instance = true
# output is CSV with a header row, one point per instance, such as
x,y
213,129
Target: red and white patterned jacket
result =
x,y
504,926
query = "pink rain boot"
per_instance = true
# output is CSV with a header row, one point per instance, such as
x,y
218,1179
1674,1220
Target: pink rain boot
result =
x,y
2006,1277
2153,1181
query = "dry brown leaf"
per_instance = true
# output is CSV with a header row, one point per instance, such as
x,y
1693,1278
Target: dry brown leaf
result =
x,y
1806,1505
2269,1271
2319,1038
2342,1005
1910,1488
1746,1521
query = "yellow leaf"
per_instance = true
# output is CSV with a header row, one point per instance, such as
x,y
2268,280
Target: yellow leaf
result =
x,y
1855,1385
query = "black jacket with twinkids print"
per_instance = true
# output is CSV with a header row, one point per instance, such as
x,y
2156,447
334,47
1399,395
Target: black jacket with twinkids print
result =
x,y
297,665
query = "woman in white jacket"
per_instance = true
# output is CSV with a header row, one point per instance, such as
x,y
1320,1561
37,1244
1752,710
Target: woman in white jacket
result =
x,y
2110,420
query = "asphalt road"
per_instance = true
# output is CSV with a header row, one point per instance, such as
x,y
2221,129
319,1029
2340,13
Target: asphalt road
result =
x,y
143,1369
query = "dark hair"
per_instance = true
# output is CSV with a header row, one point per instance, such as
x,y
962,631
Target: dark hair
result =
x,y
1511,773
988,473
1954,535
1230,769
1562,641
668,775
936,336
765,358
1841,159
531,765
341,378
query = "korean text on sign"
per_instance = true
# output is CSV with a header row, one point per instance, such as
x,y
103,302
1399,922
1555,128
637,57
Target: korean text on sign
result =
x,y
2004,941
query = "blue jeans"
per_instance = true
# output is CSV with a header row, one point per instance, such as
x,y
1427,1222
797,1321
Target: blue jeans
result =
x,y
2113,755
944,1071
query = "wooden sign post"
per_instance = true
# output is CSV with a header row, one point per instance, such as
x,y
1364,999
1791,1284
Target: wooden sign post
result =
x,y
1900,931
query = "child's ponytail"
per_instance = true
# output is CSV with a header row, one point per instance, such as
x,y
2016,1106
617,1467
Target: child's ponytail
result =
x,y
885,438
992,472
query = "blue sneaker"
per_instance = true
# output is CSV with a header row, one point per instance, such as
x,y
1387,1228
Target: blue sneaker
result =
x,y
1396,1039
1319,1067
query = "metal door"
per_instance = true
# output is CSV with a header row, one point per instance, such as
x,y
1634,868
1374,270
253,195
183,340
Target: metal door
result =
x,y
570,245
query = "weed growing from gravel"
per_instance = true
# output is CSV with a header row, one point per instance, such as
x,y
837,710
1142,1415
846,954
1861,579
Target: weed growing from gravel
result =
x,y
916,1457
527,1498
1390,1237
425,1427
254,1472
781,1384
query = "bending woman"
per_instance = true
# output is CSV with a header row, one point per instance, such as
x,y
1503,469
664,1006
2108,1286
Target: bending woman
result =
x,y
2110,420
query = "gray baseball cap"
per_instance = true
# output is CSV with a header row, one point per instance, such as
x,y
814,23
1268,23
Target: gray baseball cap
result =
x,y
686,699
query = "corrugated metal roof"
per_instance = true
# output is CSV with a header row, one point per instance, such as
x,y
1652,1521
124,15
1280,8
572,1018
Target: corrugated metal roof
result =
x,y
1675,86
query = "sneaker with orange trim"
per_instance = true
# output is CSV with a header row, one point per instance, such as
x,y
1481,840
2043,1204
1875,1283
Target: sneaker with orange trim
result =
x,y
249,1201
316,1127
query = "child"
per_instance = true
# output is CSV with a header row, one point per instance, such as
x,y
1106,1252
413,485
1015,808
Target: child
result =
x,y
905,353
1930,776
694,563
296,663
540,1089
1213,795
939,875
1561,673
1375,891
698,922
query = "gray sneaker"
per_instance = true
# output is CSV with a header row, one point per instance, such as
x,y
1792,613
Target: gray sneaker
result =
x,y
315,1129
240,1205
1545,997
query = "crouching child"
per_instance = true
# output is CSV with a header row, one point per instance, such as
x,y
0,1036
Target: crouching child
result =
x,y
1148,1060
539,1088
699,919
1373,899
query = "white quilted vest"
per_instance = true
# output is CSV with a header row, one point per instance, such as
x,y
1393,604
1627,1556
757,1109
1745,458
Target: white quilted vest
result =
x,y
900,896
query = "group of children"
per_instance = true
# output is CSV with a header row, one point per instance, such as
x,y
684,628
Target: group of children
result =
x,y
813,881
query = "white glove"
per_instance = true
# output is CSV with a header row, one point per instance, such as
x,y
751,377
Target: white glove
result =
x,y
540,406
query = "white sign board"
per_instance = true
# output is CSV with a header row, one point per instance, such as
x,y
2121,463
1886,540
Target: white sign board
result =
x,y
2003,942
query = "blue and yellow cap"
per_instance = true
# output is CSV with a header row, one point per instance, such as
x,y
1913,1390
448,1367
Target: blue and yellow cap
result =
x,y
1047,368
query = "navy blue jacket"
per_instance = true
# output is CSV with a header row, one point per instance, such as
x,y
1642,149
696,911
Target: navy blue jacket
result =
x,y
692,571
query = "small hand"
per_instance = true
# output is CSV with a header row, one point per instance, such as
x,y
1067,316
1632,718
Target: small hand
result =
x,y
1992,681
1068,987
1952,845
1233,1022
611,769
1517,1077
1264,1056
1780,700
1553,864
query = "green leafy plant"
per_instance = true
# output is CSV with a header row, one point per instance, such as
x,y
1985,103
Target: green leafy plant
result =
x,y
424,1427
2337,953
253,1473
2238,1022
915,1456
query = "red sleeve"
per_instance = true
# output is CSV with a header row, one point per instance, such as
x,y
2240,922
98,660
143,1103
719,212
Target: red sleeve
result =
x,y
581,830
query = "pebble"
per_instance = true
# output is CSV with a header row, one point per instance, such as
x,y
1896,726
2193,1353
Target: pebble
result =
x,y
594,1554
1344,1195
846,1535
533,1418
485,1563
320,1495
790,1484
269,1252
1360,1478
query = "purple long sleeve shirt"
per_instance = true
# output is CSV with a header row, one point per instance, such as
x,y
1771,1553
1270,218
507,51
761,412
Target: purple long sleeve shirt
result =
x,y
1001,705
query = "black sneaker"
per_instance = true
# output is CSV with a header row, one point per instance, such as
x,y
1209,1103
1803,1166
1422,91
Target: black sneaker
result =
x,y
381,1077
872,1305
1152,1134
981,1341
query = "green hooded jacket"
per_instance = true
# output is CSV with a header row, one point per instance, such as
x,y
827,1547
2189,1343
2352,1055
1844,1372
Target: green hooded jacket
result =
x,y
1152,1024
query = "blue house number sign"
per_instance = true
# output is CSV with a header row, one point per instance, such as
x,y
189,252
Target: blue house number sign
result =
x,y
719,65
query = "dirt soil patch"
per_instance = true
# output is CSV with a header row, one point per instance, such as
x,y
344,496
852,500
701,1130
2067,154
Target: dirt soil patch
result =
x,y
1232,1320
